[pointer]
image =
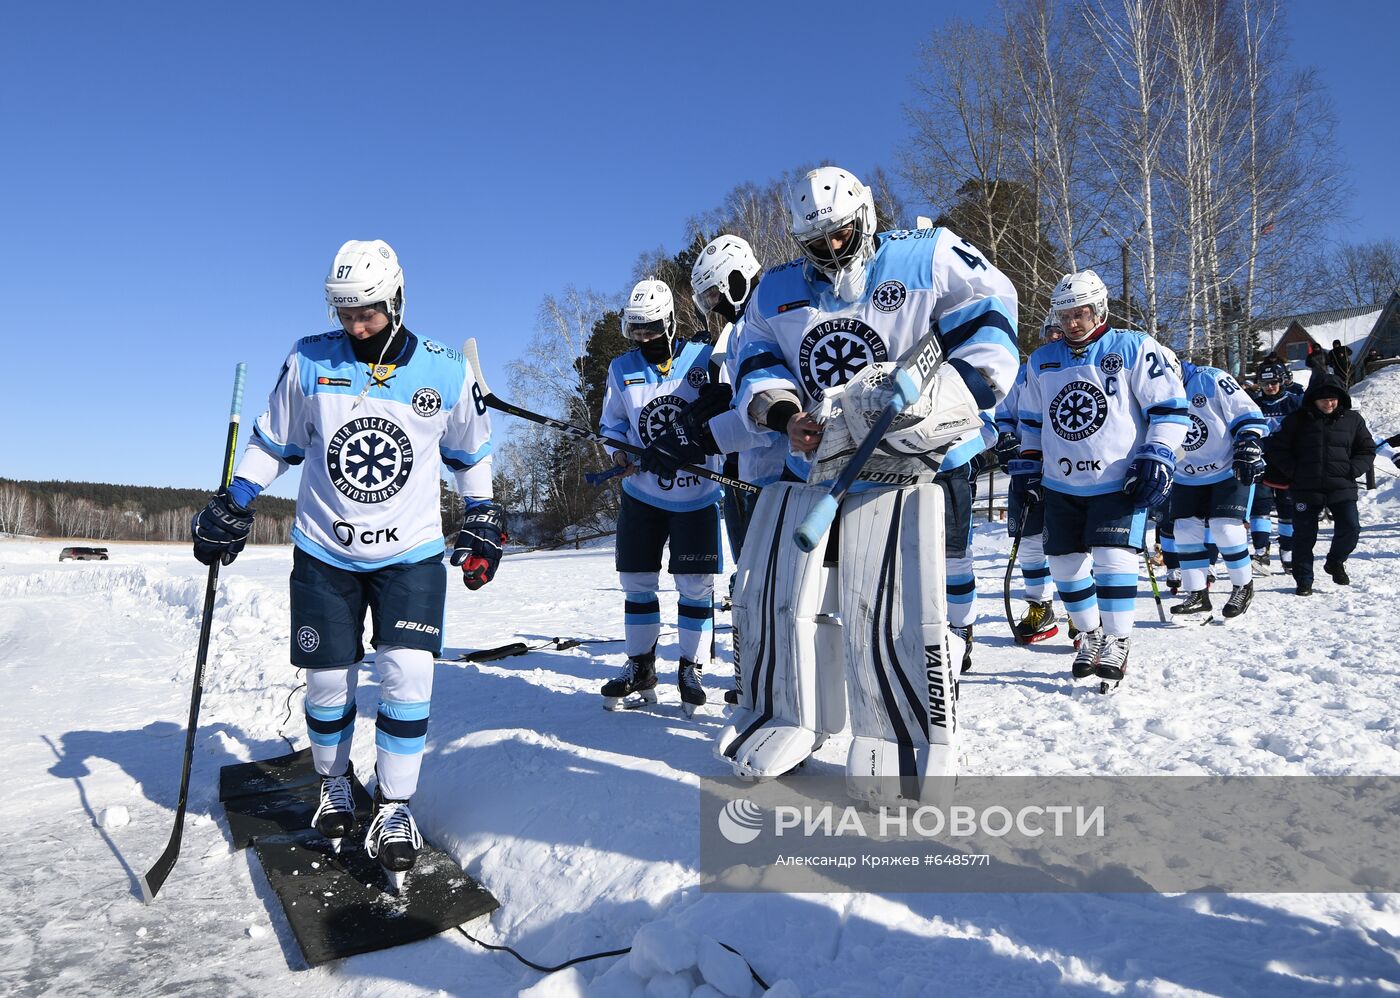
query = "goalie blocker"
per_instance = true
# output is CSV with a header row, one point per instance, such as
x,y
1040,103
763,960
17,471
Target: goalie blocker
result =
x,y
869,629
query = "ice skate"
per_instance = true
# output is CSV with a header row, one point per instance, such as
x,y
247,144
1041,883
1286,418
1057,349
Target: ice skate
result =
x,y
1037,623
1086,655
393,839
335,816
1261,563
688,681
635,686
1173,579
1239,600
966,634
1197,602
1112,664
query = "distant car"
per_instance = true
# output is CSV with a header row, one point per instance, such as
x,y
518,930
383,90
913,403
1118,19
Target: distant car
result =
x,y
83,554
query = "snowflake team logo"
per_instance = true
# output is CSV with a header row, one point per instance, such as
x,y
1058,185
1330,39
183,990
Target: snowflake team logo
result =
x,y
697,378
427,402
307,639
888,296
1199,401
1078,411
1111,364
657,415
834,351
1199,433
369,459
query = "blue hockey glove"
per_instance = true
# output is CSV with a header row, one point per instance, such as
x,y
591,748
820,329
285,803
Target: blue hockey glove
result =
x,y
480,542
220,530
1249,460
1008,448
1149,479
1025,479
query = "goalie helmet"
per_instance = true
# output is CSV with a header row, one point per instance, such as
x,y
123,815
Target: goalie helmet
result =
x,y
650,310
363,273
723,277
1074,290
833,220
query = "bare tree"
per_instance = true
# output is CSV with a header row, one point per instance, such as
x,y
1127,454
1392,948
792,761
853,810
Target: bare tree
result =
x,y
1364,273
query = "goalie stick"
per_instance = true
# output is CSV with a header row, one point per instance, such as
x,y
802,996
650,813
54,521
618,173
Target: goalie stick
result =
x,y
909,379
484,399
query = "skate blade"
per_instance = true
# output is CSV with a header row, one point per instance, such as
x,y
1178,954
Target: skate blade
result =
x,y
632,701
691,708
395,881
1108,687
337,844
1041,636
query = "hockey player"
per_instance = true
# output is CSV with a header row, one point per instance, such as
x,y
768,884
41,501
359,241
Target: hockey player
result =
x,y
1101,416
1214,481
361,409
647,387
1028,522
1278,396
722,280
867,610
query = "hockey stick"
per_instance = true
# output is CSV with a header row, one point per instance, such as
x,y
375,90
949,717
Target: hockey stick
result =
x,y
487,400
909,379
1011,566
596,478
165,862
1156,593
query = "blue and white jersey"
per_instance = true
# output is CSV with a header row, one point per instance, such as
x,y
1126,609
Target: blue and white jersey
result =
x,y
1275,409
799,336
371,472
1089,414
1008,409
761,452
640,402
1220,412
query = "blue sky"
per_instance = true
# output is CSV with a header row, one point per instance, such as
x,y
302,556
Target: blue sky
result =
x,y
177,176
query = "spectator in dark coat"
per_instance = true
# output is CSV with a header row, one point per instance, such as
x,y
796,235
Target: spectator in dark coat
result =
x,y
1339,360
1316,360
1317,455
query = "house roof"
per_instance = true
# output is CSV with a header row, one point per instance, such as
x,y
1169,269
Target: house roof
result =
x,y
1350,325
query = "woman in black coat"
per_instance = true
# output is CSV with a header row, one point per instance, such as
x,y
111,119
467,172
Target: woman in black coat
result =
x,y
1317,455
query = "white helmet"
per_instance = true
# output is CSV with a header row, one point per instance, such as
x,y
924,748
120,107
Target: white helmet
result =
x,y
1050,329
823,203
723,272
366,272
650,309
1074,290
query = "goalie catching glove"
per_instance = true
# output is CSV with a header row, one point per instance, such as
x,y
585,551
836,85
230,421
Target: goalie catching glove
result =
x,y
480,542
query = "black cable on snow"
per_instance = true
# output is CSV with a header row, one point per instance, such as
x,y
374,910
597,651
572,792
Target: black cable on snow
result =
x,y
595,956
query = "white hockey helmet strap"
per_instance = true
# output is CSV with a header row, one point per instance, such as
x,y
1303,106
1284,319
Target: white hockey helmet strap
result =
x,y
716,266
364,273
821,204
650,305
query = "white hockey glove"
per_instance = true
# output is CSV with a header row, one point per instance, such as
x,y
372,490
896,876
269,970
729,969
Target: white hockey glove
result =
x,y
944,411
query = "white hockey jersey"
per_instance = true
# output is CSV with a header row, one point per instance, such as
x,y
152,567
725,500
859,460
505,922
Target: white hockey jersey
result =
x,y
370,473
640,402
1220,411
1088,415
761,453
799,336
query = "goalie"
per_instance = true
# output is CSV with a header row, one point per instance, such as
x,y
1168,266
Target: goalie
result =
x,y
862,618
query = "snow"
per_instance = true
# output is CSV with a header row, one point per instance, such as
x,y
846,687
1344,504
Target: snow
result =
x,y
583,822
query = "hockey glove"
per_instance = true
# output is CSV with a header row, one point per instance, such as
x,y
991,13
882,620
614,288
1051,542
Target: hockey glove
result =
x,y
678,445
1025,479
480,542
1149,479
1008,448
1249,460
220,529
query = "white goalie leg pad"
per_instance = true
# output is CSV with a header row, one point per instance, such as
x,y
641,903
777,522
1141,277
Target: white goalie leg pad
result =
x,y
900,684
777,598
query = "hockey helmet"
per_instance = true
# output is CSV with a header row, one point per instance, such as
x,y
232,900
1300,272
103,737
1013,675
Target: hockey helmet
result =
x,y
833,220
723,276
364,273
